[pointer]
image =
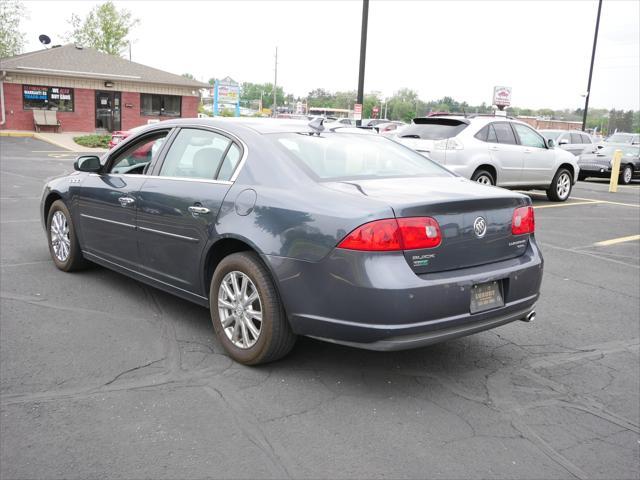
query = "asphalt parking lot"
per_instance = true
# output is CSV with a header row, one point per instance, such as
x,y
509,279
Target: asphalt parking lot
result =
x,y
103,377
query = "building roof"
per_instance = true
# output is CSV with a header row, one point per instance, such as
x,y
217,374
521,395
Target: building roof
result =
x,y
81,62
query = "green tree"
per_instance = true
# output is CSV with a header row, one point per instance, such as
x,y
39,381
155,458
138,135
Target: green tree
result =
x,y
105,28
11,39
189,76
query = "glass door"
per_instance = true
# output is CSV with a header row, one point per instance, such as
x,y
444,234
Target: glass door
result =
x,y
108,111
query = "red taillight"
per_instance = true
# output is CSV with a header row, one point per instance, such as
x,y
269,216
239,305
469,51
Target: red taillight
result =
x,y
523,221
419,232
391,235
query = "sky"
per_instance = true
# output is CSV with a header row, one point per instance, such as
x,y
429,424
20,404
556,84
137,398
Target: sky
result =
x,y
542,48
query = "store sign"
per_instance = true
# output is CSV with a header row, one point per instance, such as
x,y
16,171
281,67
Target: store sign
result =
x,y
357,111
57,93
502,96
228,93
31,92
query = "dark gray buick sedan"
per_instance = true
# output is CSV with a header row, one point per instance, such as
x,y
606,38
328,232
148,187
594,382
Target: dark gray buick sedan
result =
x,y
288,228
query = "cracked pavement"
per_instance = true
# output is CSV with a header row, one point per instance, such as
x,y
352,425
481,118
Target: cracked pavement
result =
x,y
103,377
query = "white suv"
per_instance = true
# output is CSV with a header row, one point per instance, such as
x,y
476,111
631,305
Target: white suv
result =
x,y
494,150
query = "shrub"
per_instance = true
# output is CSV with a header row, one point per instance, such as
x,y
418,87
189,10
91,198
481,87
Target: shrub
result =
x,y
93,141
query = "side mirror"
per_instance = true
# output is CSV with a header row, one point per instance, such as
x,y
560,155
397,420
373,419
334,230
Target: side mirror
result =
x,y
550,143
87,163
564,141
600,146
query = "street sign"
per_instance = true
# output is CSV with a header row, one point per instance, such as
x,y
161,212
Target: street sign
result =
x,y
357,111
502,96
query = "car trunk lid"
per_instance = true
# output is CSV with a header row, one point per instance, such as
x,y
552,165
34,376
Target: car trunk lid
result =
x,y
456,204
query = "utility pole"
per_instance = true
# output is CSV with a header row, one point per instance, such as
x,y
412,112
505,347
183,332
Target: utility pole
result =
x,y
363,54
275,86
593,57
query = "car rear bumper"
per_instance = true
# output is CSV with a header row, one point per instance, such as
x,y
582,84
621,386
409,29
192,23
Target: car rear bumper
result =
x,y
375,301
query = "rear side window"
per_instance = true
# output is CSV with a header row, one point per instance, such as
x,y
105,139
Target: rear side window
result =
x,y
585,139
195,154
487,134
230,163
576,138
432,128
504,133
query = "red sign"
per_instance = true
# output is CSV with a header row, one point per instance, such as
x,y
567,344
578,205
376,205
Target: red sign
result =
x,y
357,111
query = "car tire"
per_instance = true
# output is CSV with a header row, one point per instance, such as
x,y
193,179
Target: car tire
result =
x,y
561,185
63,242
626,174
484,177
238,278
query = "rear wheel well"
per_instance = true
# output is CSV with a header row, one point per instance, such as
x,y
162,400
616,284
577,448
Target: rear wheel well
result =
x,y
219,250
52,197
490,169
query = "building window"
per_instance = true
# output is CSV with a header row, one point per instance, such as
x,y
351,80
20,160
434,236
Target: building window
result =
x,y
160,105
36,97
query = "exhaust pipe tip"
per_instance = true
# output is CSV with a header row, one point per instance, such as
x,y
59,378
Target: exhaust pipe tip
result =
x,y
530,317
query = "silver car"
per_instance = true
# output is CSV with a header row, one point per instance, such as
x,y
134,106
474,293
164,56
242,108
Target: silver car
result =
x,y
494,150
573,141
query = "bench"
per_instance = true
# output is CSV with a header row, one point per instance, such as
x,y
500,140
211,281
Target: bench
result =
x,y
46,118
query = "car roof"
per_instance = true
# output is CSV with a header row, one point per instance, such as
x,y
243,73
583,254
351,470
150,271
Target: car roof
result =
x,y
238,125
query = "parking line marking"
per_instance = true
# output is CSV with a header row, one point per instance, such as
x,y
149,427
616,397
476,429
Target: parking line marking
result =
x,y
569,204
615,241
609,202
581,252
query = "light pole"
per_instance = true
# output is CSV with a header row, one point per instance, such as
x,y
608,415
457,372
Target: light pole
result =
x,y
363,54
593,57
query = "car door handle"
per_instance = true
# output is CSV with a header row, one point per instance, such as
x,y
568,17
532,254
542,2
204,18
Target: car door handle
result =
x,y
526,150
126,201
493,148
194,209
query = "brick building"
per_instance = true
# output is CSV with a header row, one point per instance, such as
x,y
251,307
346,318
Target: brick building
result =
x,y
91,91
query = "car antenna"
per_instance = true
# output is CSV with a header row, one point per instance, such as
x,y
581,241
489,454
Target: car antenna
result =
x,y
317,125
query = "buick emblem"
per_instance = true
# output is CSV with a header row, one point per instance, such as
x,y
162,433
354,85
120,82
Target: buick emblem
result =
x,y
480,227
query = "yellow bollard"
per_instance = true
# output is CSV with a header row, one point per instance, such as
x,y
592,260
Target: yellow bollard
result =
x,y
615,171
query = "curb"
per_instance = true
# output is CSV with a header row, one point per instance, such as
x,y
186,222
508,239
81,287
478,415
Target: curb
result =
x,y
37,136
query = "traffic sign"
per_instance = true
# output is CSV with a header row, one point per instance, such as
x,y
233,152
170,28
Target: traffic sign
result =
x,y
357,111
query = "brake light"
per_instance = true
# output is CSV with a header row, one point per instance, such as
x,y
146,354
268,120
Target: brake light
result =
x,y
392,234
523,221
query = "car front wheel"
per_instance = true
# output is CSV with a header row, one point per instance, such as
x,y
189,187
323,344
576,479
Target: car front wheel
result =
x,y
626,175
246,311
561,185
63,242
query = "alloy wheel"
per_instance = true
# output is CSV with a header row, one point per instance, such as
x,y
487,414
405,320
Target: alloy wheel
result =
x,y
563,185
60,239
484,180
240,309
627,174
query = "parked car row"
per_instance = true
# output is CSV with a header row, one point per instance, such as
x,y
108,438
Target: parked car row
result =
x,y
494,150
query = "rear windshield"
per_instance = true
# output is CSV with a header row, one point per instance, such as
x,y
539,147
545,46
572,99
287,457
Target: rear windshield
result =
x,y
341,156
432,128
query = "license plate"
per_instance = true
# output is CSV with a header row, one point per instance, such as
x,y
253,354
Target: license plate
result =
x,y
486,296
